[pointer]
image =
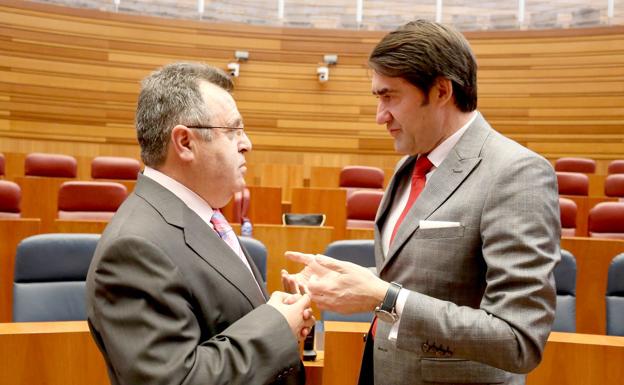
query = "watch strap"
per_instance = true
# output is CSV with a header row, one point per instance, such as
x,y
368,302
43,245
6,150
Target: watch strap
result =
x,y
391,297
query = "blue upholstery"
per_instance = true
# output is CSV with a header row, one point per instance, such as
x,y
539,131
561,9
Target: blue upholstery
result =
x,y
50,274
257,252
360,252
565,280
615,297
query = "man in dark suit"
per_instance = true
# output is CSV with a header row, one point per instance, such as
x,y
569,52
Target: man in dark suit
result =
x,y
172,298
466,236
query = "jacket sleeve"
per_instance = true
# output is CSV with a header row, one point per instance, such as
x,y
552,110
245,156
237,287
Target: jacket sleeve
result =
x,y
142,311
520,233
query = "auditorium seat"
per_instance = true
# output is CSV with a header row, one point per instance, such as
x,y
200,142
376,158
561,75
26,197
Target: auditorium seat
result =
x,y
258,253
568,210
354,178
292,219
573,183
565,281
615,297
614,185
606,220
50,165
2,161
362,207
361,252
10,197
616,167
583,165
115,167
90,200
50,275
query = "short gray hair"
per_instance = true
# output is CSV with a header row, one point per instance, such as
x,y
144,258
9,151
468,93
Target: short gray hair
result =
x,y
171,96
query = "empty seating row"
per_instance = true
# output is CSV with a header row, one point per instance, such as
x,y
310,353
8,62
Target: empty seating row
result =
x,y
576,183
587,166
605,219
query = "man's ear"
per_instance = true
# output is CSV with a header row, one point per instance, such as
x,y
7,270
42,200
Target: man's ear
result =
x,y
442,91
182,142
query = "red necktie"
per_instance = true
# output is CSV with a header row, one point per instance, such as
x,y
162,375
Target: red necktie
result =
x,y
419,177
421,168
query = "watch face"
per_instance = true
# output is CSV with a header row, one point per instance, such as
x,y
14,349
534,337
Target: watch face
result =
x,y
385,316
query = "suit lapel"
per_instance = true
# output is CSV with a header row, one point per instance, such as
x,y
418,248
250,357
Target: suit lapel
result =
x,y
200,238
457,166
256,273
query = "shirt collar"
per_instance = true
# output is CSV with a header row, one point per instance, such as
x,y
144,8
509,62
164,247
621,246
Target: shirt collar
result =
x,y
439,153
190,199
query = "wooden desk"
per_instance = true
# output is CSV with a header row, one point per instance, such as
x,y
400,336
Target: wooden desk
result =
x,y
330,201
50,353
593,257
344,345
265,205
83,226
64,353
12,231
325,176
580,359
360,234
40,199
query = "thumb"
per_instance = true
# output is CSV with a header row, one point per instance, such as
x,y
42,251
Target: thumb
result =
x,y
303,302
296,256
331,263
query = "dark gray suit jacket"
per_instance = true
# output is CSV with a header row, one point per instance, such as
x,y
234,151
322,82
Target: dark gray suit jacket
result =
x,y
482,295
169,302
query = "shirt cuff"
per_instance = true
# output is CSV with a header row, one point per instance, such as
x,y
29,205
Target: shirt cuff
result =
x,y
398,307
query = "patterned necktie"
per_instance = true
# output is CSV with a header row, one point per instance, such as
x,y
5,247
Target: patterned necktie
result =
x,y
421,168
225,231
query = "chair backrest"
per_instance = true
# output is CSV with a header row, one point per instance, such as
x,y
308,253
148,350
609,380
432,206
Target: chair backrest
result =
x,y
362,207
606,220
584,165
258,252
51,165
567,210
616,167
50,274
360,252
615,297
2,162
565,281
10,197
361,176
115,167
303,219
90,200
572,183
614,185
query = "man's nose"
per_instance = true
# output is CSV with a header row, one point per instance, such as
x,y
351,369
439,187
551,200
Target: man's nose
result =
x,y
245,143
383,116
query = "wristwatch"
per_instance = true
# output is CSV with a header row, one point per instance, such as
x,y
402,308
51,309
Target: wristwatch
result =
x,y
386,310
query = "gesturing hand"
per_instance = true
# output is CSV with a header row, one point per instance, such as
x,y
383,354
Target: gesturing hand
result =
x,y
296,309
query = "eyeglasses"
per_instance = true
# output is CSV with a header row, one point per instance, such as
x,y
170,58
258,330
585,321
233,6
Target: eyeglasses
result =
x,y
239,130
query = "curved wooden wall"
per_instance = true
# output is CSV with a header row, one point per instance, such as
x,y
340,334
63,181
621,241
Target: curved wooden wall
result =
x,y
69,80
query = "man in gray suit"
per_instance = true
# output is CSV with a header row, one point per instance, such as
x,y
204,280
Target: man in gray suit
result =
x,y
172,298
466,236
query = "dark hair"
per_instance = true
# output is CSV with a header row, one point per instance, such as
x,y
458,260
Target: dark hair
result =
x,y
421,51
171,96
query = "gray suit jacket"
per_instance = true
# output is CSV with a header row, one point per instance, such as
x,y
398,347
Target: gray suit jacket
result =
x,y
482,297
168,302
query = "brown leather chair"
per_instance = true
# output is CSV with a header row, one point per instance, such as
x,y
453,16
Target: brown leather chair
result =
x,y
584,165
606,220
573,183
115,167
50,165
90,200
568,211
616,167
614,185
10,197
362,207
354,178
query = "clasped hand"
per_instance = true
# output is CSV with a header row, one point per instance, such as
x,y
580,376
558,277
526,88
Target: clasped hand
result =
x,y
335,285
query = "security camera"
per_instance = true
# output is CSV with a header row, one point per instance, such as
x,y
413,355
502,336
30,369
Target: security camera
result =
x,y
233,69
323,74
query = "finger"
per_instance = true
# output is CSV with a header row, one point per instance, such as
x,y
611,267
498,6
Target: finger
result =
x,y
304,332
279,296
290,299
303,302
307,313
300,257
289,283
331,263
